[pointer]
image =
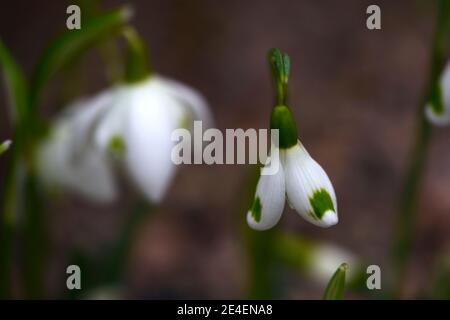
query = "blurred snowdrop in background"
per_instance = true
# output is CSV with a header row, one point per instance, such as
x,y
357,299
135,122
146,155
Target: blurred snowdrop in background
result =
x,y
326,258
126,127
438,110
4,146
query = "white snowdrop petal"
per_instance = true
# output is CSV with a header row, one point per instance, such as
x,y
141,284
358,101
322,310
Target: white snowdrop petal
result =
x,y
112,123
194,103
269,200
53,156
67,159
150,123
308,188
92,177
85,114
85,172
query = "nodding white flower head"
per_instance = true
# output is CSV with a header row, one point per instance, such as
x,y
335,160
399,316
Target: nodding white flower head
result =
x,y
326,258
129,125
300,179
143,117
4,146
132,123
437,110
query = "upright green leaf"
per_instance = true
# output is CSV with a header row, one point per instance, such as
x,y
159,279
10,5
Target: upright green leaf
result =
x,y
16,85
71,43
335,288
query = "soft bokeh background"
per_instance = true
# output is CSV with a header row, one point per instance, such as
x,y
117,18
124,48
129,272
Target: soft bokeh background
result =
x,y
354,94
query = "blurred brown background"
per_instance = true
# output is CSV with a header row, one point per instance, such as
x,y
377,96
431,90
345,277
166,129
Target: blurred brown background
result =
x,y
354,94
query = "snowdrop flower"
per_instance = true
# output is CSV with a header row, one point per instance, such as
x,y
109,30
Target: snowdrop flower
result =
x,y
438,111
141,120
325,259
300,179
129,125
5,146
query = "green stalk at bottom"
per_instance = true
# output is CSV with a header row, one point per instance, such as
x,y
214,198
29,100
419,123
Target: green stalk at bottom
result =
x,y
401,249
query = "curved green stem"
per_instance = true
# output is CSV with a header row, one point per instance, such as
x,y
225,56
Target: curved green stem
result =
x,y
137,66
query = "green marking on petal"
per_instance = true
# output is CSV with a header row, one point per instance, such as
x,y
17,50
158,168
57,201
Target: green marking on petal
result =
x,y
320,202
437,101
312,215
116,145
186,121
256,209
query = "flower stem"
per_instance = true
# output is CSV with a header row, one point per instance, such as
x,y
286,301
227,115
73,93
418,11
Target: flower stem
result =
x,y
109,270
401,249
137,66
259,247
35,238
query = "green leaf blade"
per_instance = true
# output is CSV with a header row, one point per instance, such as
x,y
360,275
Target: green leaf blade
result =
x,y
336,285
66,47
16,86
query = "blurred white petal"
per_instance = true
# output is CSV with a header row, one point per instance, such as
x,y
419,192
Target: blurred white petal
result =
x,y
84,116
150,120
67,159
112,123
194,103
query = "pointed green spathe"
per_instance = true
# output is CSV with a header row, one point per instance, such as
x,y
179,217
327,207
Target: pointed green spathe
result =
x,y
335,288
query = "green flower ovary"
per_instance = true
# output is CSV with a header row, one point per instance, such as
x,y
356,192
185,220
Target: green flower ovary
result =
x,y
321,202
282,120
